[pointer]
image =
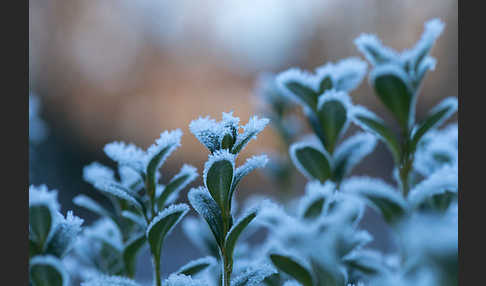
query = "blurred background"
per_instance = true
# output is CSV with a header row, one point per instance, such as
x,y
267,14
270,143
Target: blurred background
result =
x,y
108,70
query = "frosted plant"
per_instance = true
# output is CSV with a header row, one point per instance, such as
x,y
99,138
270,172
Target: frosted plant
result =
x,y
279,109
327,106
320,244
396,78
51,237
213,201
142,209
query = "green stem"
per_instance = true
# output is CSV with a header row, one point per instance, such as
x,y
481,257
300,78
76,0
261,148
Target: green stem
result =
x,y
227,268
406,164
157,278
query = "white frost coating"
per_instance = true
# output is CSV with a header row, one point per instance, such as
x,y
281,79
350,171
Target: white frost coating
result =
x,y
129,177
134,218
171,139
346,74
203,260
369,42
449,102
272,215
114,189
96,171
104,280
248,212
251,164
357,154
359,110
183,208
219,155
305,78
207,131
187,170
40,195
445,179
250,130
253,276
433,29
314,190
388,69
228,120
292,283
366,185
52,261
334,95
302,144
183,280
123,153
104,230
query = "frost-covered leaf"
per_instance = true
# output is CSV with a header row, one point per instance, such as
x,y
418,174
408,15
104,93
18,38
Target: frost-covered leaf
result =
x,y
236,230
96,171
332,110
130,251
183,280
186,175
158,153
197,265
292,267
374,51
250,131
206,207
372,123
162,224
135,218
207,131
110,281
437,191
253,276
392,85
43,210
64,234
218,176
436,117
126,154
380,195
302,86
433,29
47,271
346,74
367,262
251,164
350,153
316,196
91,205
118,191
311,160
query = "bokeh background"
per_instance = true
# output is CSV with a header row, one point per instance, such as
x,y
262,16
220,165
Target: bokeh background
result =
x,y
108,70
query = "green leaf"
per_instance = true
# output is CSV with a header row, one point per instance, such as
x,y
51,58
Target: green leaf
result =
x,y
293,268
235,232
91,205
47,271
186,175
333,116
304,93
130,251
384,198
153,166
254,275
251,164
350,153
207,208
162,224
311,161
371,123
41,223
195,266
392,86
63,235
218,177
314,208
436,116
118,191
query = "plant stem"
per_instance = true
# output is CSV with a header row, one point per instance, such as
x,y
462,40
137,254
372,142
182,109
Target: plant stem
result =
x,y
157,278
227,268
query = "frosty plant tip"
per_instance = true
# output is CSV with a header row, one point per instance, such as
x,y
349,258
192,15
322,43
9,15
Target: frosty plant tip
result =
x,y
142,208
328,108
213,200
